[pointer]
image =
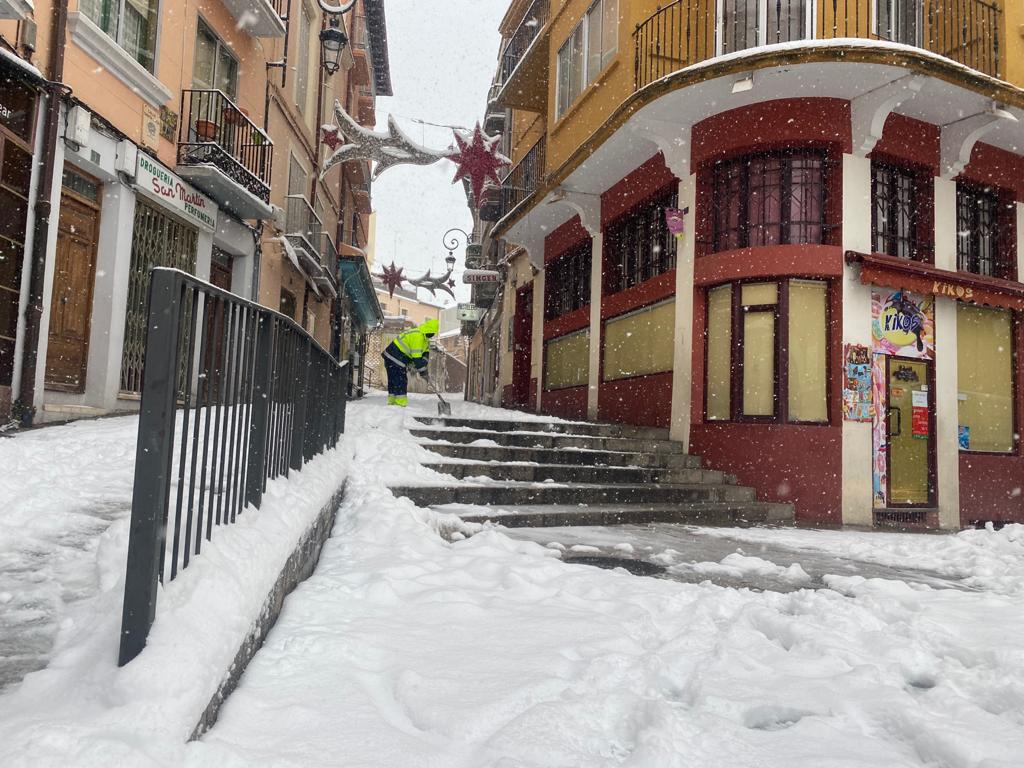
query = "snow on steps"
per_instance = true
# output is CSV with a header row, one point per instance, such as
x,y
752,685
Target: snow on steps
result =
x,y
564,473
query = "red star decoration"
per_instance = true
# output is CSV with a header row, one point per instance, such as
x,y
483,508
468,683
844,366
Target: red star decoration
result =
x,y
329,136
392,278
478,161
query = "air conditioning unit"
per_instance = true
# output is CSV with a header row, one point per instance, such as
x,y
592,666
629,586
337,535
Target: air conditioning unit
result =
x,y
79,125
278,217
127,158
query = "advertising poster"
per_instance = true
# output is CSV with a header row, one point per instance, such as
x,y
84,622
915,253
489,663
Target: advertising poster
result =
x,y
879,437
964,436
919,417
857,383
903,324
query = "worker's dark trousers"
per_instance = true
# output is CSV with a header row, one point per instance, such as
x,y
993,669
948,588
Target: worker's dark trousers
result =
x,y
398,378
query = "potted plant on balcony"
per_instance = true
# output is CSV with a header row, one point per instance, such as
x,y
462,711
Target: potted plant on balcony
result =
x,y
206,130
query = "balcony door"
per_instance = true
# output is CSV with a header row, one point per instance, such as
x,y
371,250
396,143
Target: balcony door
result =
x,y
744,24
899,21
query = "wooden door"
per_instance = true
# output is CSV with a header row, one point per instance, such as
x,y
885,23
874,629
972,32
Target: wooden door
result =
x,y
71,306
522,346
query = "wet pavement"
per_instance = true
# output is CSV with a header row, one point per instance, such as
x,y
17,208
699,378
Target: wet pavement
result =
x,y
681,553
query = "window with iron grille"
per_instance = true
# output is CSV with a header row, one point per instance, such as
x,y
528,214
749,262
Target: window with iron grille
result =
x,y
896,213
639,244
769,199
567,283
977,231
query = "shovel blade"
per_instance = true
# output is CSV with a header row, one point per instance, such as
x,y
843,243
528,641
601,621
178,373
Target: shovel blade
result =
x,y
443,409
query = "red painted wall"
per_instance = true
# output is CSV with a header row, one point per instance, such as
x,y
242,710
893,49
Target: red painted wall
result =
x,y
574,321
769,261
911,141
797,464
649,178
564,238
569,403
642,400
995,166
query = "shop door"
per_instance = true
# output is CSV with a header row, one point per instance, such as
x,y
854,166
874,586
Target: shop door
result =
x,y
71,307
522,346
911,433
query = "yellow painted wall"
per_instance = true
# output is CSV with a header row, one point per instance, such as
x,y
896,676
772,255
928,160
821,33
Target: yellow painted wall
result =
x,y
1013,56
416,311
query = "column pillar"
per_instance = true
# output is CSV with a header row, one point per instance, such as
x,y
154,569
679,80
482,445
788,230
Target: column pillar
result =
x,y
537,337
858,452
947,402
594,369
682,358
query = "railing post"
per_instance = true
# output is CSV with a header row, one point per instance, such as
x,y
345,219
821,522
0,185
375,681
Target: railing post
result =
x,y
301,407
153,462
255,474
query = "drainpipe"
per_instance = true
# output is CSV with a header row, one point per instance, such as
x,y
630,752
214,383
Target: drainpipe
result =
x,y
43,211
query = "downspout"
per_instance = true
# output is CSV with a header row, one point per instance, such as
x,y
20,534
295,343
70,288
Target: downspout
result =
x,y
43,212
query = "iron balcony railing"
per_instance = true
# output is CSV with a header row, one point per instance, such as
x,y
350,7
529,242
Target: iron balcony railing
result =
x,y
531,25
687,32
233,395
524,179
213,130
301,222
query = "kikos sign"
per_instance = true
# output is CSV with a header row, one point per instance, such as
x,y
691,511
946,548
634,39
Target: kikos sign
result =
x,y
961,292
165,187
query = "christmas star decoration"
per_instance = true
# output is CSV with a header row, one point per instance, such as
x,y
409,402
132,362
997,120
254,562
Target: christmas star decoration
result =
x,y
392,278
329,136
430,283
478,161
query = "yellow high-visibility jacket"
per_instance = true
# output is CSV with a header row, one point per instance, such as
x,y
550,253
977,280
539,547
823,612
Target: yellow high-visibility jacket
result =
x,y
412,347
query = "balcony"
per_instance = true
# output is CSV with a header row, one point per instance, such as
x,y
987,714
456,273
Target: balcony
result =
x,y
364,204
260,18
224,153
366,110
303,229
524,179
687,32
327,279
524,62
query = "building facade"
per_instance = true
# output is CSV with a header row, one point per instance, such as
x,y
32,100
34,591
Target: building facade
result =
x,y
174,136
788,232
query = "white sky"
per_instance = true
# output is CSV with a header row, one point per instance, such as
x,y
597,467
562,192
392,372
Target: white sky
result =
x,y
443,57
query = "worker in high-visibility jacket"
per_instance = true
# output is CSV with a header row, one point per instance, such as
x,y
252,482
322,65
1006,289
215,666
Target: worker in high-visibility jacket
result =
x,y
410,349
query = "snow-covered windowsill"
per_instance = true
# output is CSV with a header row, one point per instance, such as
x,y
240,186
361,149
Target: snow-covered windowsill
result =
x,y
116,60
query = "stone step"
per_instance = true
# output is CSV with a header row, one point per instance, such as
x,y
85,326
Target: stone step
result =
x,y
512,494
552,516
527,439
567,473
564,427
576,457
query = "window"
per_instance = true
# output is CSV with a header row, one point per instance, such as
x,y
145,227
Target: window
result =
x,y
985,378
302,60
772,199
767,352
214,68
288,304
567,283
130,23
749,23
592,44
898,224
639,245
15,171
899,20
640,343
979,244
567,361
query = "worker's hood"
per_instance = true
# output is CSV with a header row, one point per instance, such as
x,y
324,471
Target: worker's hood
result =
x,y
429,327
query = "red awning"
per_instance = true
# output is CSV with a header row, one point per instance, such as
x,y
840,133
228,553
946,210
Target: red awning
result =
x,y
917,277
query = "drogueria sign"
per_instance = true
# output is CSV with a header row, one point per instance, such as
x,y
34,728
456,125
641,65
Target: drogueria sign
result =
x,y
166,188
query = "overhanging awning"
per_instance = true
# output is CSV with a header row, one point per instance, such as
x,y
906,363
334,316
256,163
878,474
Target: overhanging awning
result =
x,y
357,284
914,276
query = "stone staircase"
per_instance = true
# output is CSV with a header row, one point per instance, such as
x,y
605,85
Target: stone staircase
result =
x,y
546,473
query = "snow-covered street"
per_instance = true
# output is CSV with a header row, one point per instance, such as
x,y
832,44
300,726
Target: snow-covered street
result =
x,y
422,641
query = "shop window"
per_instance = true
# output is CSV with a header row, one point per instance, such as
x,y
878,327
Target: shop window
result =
x,y
640,343
749,23
979,246
985,378
214,67
639,245
591,45
567,281
132,24
898,224
567,361
767,352
769,199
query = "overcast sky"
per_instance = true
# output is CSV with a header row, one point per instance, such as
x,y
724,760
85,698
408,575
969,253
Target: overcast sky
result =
x,y
443,56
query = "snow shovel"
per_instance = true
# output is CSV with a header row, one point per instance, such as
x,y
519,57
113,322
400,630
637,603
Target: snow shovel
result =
x,y
443,408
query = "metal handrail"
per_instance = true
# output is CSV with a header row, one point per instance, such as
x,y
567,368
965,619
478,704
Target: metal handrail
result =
x,y
527,31
524,179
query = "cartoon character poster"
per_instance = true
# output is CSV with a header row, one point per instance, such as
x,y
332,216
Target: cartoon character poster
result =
x,y
857,383
903,324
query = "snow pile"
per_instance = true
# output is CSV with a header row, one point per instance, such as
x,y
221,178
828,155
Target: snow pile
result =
x,y
739,566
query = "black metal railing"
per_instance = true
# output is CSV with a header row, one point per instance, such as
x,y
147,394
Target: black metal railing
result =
x,y
524,179
213,130
233,395
687,32
531,25
301,221
280,8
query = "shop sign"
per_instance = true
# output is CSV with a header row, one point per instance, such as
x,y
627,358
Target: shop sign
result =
x,y
903,324
468,313
474,276
960,292
165,187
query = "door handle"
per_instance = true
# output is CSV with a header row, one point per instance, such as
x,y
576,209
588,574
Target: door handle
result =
x,y
899,421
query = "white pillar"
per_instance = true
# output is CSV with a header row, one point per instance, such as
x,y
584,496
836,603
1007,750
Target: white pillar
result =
x,y
682,358
947,403
537,353
857,448
594,370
